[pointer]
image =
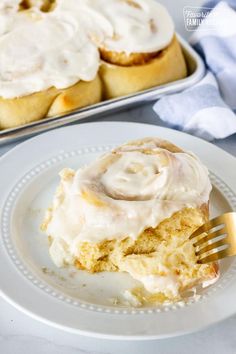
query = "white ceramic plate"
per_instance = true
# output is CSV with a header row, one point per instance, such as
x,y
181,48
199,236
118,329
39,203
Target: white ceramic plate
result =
x,y
74,300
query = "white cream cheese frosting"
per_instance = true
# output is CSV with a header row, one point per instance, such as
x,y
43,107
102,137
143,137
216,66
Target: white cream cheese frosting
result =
x,y
59,48
122,193
131,26
8,10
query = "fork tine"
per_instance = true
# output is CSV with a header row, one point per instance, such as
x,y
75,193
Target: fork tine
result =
x,y
210,236
215,256
208,226
212,246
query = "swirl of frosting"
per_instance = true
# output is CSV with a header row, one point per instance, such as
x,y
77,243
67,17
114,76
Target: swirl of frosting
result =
x,y
126,191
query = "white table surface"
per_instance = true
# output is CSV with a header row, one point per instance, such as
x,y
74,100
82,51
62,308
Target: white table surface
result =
x,y
20,334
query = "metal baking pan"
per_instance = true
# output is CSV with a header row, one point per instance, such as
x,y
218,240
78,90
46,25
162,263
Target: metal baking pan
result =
x,y
196,71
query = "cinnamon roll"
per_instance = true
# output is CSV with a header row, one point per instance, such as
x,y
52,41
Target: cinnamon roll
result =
x,y
141,51
133,210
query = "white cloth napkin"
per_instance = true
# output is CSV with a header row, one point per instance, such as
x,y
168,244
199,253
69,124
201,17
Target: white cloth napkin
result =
x,y
207,109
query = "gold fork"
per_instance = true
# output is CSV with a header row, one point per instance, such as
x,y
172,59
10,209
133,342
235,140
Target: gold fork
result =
x,y
215,239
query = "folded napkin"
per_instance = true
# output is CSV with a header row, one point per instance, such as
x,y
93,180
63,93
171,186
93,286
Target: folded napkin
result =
x,y
207,109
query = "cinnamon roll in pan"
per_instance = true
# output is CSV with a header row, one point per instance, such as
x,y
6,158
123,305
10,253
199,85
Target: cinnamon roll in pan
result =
x,y
133,210
143,51
148,70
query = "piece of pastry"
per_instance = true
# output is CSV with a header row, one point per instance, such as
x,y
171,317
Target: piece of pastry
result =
x,y
133,210
141,51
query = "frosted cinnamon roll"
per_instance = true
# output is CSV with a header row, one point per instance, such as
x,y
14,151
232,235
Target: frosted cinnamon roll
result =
x,y
141,50
47,64
133,210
